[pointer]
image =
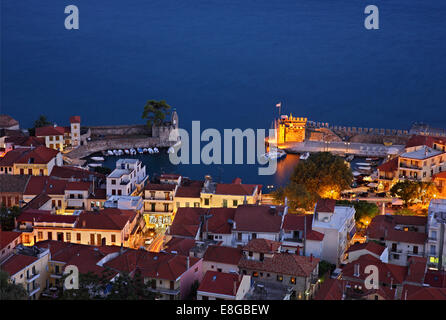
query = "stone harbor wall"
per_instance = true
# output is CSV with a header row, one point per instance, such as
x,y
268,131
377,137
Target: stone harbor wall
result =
x,y
120,130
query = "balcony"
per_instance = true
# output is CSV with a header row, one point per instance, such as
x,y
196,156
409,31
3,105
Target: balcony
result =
x,y
34,290
160,199
410,166
32,277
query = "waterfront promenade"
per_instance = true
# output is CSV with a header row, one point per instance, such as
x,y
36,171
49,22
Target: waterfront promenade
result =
x,y
357,149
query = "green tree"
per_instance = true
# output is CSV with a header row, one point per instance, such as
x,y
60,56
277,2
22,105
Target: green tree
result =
x,y
11,291
322,175
410,191
90,287
155,112
364,211
125,287
42,121
7,216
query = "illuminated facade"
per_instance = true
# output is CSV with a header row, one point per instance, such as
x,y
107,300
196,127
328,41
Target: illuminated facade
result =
x,y
290,129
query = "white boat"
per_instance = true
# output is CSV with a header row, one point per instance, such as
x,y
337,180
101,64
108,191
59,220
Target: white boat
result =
x,y
98,158
356,173
94,165
350,158
115,152
126,151
171,150
120,152
110,152
139,150
132,151
145,150
155,150
274,153
367,164
304,156
150,150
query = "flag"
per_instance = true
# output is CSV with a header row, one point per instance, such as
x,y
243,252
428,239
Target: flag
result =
x,y
278,105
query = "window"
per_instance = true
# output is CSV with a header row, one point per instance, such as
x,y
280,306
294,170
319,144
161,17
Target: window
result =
x,y
187,204
78,237
293,280
234,203
415,249
206,202
250,253
113,238
40,235
225,203
255,274
68,235
279,278
50,235
197,204
113,181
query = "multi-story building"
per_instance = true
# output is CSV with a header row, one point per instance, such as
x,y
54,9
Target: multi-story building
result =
x,y
223,286
62,138
222,259
38,161
404,236
12,188
127,179
440,182
264,262
8,241
436,230
28,267
337,223
159,204
290,129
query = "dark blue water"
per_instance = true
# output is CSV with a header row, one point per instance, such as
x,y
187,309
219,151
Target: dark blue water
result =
x,y
225,62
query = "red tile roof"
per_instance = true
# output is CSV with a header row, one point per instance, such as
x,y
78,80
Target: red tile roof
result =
x,y
221,254
151,264
237,189
188,192
283,263
26,141
75,119
389,166
39,155
262,246
12,156
383,227
78,186
219,222
418,140
107,219
39,184
44,216
187,222
326,205
7,121
417,267
38,201
68,172
372,247
440,175
7,237
435,278
331,289
16,263
258,218
220,283
50,131
423,293
179,245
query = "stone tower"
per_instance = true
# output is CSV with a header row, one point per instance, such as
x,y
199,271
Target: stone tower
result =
x,y
75,122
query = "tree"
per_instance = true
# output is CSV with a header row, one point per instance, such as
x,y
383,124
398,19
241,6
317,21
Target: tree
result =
x,y
155,112
125,287
42,121
322,175
7,217
364,211
91,286
410,191
11,291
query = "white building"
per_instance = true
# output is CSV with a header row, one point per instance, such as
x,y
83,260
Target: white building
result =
x,y
337,223
127,179
436,243
125,203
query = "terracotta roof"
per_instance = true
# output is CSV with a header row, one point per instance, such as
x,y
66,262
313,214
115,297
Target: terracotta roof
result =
x,y
6,237
7,121
220,283
389,166
68,172
13,183
330,289
156,265
25,141
78,186
45,184
295,222
38,201
258,218
417,267
12,156
160,187
435,278
99,194
75,119
39,155
418,140
326,205
283,263
187,222
423,293
188,192
221,254
107,219
262,246
369,246
388,273
383,227
50,131
44,216
16,263
84,257
237,189
179,245
219,222
440,175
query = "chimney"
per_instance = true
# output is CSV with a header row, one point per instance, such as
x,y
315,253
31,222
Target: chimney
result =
x,y
187,263
84,223
356,271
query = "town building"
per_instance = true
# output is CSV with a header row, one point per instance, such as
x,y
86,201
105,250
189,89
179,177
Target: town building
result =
x,y
290,129
264,262
28,267
12,188
8,122
8,241
223,286
436,232
159,204
404,236
63,138
372,248
222,259
440,182
127,179
337,223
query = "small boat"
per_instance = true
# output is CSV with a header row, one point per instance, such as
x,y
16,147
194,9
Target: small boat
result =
x,y
150,150
350,158
110,152
94,165
171,150
356,173
140,150
367,164
126,151
274,153
155,150
145,150
304,156
98,158
132,151
115,152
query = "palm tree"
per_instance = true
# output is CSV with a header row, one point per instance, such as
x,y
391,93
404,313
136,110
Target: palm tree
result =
x,y
155,112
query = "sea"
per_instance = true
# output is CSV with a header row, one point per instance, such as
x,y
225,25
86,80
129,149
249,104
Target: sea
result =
x,y
227,64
